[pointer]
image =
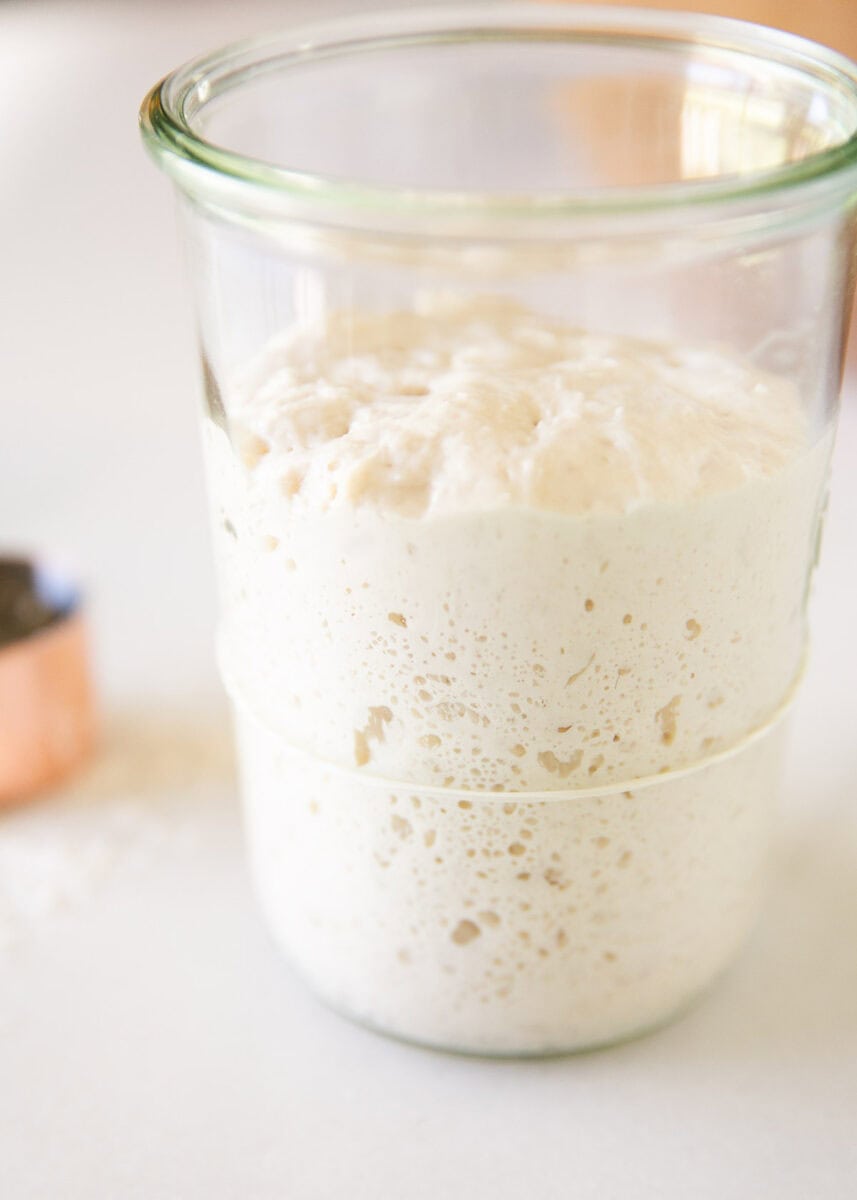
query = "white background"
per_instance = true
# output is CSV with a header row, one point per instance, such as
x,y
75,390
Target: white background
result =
x,y
152,1043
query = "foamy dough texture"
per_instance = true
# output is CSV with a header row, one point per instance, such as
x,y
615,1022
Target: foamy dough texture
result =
x,y
506,926
480,406
470,546
473,548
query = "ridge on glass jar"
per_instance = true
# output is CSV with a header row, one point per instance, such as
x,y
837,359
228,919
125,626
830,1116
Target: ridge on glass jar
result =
x,y
521,375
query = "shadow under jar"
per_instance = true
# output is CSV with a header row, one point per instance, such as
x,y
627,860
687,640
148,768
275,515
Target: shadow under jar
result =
x,y
521,333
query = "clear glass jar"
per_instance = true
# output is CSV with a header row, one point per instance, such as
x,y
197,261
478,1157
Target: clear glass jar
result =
x,y
521,332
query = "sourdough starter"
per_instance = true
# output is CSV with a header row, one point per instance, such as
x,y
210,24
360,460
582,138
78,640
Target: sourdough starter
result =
x,y
469,552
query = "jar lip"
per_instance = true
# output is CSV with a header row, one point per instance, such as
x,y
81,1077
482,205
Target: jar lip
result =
x,y
207,170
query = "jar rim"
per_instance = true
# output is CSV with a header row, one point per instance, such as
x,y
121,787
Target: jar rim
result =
x,y
213,172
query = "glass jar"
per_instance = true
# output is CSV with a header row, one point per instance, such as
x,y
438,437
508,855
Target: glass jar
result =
x,y
521,332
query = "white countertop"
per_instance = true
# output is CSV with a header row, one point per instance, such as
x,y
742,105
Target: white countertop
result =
x,y
152,1042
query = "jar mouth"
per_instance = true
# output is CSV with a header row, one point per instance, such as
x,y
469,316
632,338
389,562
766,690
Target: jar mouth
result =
x,y
175,110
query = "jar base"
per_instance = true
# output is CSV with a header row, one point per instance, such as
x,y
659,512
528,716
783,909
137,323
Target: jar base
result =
x,y
420,914
544,1050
